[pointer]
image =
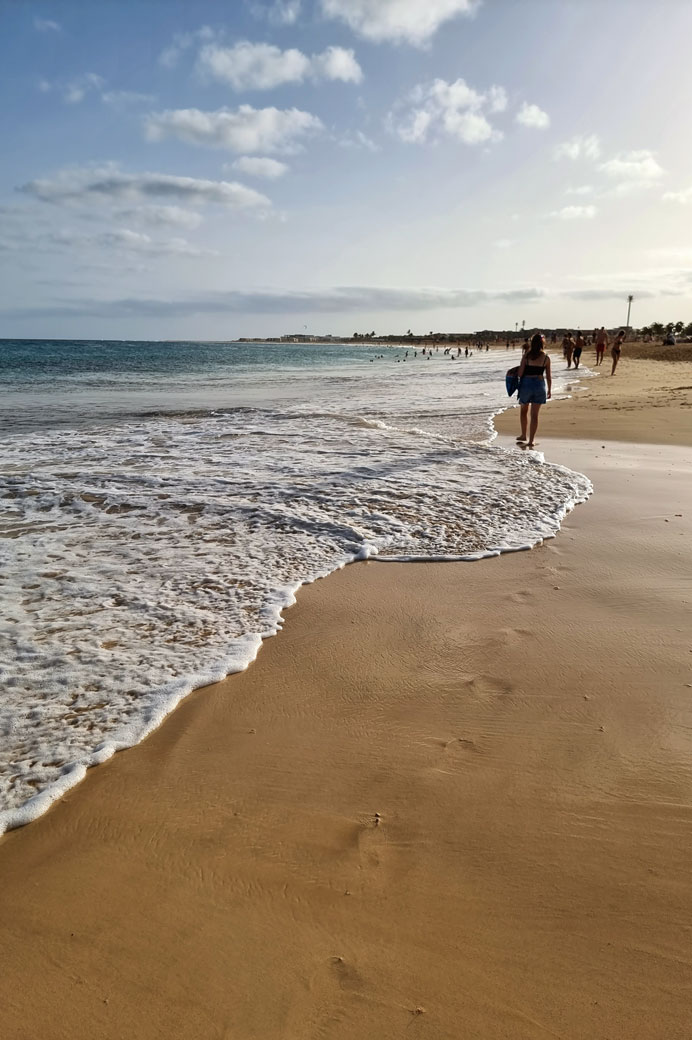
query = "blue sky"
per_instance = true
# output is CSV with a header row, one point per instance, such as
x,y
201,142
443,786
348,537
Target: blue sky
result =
x,y
222,169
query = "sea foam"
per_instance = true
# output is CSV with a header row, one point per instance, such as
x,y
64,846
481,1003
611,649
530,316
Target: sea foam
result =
x,y
145,558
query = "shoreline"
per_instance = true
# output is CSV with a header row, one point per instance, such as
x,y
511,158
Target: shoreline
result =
x,y
430,800
169,699
610,408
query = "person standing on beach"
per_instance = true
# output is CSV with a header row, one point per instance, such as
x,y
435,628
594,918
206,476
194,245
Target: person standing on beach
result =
x,y
617,350
534,372
578,347
601,344
568,348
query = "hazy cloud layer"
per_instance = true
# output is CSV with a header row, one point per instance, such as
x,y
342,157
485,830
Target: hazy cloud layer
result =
x,y
633,171
351,299
109,184
46,25
125,98
161,216
579,147
243,129
181,43
75,90
397,21
344,300
575,213
129,241
684,197
262,66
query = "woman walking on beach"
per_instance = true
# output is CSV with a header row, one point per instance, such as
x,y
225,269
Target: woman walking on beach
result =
x,y
617,350
534,371
567,348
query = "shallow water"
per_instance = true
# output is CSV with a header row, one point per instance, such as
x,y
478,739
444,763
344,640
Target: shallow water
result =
x,y
162,503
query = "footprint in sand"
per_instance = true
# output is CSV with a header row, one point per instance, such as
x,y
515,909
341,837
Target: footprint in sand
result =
x,y
345,974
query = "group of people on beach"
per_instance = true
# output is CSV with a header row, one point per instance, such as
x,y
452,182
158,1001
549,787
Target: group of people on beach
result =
x,y
535,376
572,348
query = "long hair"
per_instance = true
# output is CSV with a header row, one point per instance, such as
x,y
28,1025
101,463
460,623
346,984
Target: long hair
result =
x,y
536,347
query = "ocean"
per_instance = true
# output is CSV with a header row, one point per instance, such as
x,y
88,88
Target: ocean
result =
x,y
163,503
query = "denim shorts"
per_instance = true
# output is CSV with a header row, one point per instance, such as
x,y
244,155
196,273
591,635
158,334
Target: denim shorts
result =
x,y
532,390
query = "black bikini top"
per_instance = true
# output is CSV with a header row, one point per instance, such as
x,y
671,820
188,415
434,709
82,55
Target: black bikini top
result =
x,y
535,370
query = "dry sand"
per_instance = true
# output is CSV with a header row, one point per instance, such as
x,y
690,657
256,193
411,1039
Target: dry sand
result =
x,y
448,801
644,402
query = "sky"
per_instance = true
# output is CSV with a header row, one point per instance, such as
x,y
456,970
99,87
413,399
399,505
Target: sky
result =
x,y
257,167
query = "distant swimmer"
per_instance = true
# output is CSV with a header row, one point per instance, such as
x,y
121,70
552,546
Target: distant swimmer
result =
x,y
568,349
466,351
601,344
617,350
578,347
534,372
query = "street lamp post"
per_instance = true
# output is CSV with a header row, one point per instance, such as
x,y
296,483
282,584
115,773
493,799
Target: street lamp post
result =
x,y
629,308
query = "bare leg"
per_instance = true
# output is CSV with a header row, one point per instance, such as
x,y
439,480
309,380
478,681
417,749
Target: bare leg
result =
x,y
616,358
523,417
535,409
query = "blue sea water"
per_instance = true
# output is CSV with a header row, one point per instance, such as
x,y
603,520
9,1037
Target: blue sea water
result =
x,y
161,503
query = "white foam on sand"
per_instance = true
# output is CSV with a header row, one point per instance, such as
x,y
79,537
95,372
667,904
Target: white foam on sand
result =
x,y
145,559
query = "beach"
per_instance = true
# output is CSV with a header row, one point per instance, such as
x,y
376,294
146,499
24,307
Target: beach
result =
x,y
450,800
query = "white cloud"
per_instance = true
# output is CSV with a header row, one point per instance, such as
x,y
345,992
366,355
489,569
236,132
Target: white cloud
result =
x,y
632,172
575,213
182,42
532,116
357,139
161,216
244,129
253,66
582,189
261,66
579,147
337,63
497,99
504,243
397,21
46,25
108,184
256,166
128,241
75,90
281,12
123,98
454,110
683,197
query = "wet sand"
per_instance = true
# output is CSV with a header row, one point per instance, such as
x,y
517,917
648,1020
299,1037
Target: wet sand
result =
x,y
447,801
